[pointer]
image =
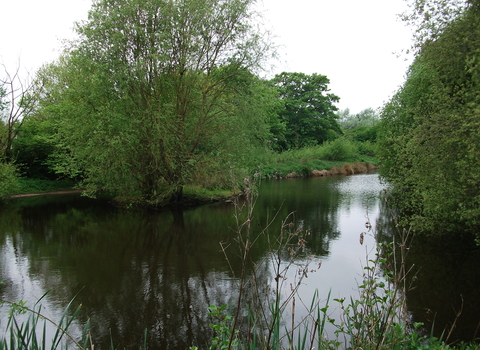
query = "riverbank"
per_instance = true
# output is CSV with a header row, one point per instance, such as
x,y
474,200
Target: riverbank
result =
x,y
316,168
196,196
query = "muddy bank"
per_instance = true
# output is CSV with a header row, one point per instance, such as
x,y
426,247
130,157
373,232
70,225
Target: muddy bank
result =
x,y
44,193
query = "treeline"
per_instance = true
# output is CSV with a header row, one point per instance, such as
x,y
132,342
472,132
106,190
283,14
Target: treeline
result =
x,y
154,96
429,143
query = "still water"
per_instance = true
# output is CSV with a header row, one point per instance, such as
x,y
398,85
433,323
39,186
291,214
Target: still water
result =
x,y
135,269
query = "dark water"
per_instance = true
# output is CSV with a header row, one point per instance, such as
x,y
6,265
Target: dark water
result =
x,y
136,269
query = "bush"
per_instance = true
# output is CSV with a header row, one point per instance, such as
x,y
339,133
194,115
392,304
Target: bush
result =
x,y
8,179
363,133
367,148
339,149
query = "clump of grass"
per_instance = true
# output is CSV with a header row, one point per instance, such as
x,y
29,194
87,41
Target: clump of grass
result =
x,y
340,157
31,334
28,185
360,168
319,173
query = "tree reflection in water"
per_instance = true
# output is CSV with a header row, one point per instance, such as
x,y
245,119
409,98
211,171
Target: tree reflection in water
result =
x,y
137,269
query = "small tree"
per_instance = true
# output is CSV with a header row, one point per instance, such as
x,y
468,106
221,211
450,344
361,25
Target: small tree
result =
x,y
15,104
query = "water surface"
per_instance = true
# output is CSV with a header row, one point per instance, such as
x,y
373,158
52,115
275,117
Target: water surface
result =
x,y
136,269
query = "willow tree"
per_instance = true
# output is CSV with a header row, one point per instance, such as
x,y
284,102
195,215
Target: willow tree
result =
x,y
146,96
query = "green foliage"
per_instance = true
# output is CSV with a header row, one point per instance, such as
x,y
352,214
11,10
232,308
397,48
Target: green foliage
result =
x,y
8,179
309,111
159,95
366,118
430,132
367,148
33,147
3,100
339,149
362,128
363,133
430,18
223,328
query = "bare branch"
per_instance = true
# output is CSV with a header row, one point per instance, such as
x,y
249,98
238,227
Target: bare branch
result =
x,y
16,103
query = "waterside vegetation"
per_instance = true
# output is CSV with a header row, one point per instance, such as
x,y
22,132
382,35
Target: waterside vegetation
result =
x,y
168,103
171,97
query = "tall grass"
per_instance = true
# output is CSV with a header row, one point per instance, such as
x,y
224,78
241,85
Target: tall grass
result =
x,y
375,319
30,333
341,149
309,161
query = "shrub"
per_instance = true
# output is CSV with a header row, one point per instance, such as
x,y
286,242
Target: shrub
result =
x,y
363,133
367,148
339,149
8,179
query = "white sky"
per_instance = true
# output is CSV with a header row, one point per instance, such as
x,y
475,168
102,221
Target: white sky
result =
x,y
354,43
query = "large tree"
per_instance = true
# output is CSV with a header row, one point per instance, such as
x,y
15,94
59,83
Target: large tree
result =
x,y
149,95
309,113
430,130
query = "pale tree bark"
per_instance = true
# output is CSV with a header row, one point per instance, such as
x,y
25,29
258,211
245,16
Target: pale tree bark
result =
x,y
15,104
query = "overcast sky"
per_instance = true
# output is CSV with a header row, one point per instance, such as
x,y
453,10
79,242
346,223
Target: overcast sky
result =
x,y
354,43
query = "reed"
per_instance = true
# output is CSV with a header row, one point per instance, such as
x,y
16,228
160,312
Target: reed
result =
x,y
26,329
375,319
31,333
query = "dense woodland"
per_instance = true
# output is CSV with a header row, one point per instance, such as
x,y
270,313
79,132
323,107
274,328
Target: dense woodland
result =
x,y
153,97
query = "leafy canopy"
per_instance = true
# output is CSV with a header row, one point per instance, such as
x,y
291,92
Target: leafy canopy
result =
x,y
152,95
309,110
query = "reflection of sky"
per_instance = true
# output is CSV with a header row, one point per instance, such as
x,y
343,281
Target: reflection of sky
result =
x,y
21,285
341,271
184,280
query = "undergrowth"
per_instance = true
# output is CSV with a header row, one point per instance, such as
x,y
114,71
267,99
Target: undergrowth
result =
x,y
330,155
29,185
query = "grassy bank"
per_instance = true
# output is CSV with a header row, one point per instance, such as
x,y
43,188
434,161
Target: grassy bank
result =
x,y
315,168
28,185
338,157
